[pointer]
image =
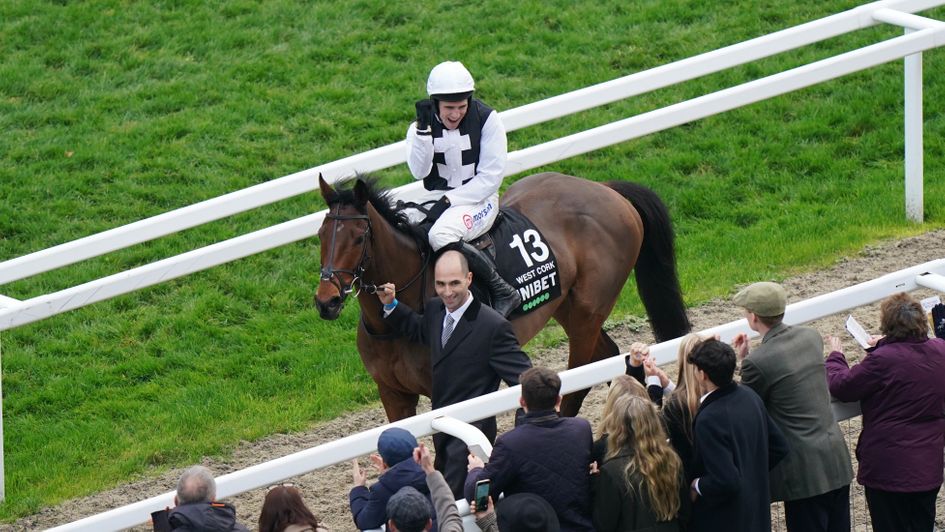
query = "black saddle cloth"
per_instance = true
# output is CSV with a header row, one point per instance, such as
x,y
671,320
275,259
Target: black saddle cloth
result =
x,y
523,258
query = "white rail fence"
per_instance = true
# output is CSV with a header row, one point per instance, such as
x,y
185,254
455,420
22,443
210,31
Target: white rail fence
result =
x,y
920,34
927,275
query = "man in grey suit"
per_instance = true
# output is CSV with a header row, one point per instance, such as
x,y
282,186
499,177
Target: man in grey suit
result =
x,y
787,372
472,349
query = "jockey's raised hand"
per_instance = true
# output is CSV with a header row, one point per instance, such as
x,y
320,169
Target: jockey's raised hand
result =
x,y
387,293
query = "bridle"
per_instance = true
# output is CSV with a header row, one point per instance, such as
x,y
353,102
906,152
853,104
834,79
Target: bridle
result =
x,y
331,274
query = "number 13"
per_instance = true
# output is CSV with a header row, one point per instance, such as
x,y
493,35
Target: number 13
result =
x,y
541,251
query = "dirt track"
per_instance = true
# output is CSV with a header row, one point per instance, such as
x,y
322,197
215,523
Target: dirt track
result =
x,y
326,490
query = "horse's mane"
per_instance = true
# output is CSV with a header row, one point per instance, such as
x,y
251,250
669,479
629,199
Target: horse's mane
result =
x,y
380,199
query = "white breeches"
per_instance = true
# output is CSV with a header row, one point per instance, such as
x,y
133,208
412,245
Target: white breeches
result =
x,y
459,222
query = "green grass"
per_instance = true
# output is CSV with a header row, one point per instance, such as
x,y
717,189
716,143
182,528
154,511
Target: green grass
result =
x,y
113,111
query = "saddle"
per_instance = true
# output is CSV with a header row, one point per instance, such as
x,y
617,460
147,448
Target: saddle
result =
x,y
518,251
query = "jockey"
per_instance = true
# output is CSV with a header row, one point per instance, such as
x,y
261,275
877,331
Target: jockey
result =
x,y
458,148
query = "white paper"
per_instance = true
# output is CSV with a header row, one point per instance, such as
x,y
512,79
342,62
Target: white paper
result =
x,y
930,302
858,332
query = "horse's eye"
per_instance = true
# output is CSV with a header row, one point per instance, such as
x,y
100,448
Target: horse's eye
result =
x,y
359,240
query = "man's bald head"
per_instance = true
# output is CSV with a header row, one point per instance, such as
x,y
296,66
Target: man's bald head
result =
x,y
196,485
452,259
451,278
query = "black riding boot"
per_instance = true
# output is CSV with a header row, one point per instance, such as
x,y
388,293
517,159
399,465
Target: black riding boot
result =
x,y
505,299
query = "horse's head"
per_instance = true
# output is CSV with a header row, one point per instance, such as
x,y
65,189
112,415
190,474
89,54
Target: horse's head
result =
x,y
345,239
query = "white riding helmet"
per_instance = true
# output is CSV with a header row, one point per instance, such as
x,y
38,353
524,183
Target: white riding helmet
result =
x,y
450,81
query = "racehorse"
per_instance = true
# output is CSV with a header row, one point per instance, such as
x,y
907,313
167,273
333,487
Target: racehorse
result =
x,y
598,233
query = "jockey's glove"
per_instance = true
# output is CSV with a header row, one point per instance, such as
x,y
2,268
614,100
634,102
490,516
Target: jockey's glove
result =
x,y
425,111
438,208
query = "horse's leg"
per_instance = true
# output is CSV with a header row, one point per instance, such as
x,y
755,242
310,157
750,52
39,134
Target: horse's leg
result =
x,y
587,342
399,373
397,404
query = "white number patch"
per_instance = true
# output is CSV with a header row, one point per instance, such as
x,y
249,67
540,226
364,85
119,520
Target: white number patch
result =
x,y
540,251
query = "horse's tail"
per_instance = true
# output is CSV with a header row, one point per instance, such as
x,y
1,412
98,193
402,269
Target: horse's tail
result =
x,y
655,271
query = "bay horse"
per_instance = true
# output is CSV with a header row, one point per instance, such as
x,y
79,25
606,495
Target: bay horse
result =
x,y
598,233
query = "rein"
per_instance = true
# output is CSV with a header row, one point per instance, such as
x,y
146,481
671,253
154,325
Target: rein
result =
x,y
331,274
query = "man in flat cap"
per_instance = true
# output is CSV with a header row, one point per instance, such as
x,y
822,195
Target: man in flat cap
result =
x,y
787,372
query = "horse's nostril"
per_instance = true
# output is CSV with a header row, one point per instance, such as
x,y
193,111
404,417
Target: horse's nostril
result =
x,y
334,302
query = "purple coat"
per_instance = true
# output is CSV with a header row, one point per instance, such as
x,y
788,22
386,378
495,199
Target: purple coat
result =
x,y
901,388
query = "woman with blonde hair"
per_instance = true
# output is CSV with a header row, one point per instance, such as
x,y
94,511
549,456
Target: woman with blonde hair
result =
x,y
622,386
679,409
640,485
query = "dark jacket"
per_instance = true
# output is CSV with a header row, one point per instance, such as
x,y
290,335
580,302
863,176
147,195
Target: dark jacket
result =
x,y
678,423
549,456
369,505
901,388
205,517
736,443
617,508
481,351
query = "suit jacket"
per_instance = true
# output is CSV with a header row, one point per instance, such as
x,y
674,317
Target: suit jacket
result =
x,y
481,351
787,372
735,444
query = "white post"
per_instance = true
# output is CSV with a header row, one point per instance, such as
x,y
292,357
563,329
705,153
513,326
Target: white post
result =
x,y
913,133
3,478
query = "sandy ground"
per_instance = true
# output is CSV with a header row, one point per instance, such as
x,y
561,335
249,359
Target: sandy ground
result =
x,y
326,489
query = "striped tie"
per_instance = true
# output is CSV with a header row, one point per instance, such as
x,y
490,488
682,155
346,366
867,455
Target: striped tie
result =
x,y
448,328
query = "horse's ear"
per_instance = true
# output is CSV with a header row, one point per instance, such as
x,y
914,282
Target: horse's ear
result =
x,y
362,193
327,191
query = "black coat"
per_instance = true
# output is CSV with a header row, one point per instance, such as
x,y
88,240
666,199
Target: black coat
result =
x,y
736,443
678,423
204,517
481,351
618,508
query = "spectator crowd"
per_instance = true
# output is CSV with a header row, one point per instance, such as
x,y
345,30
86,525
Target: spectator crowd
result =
x,y
738,429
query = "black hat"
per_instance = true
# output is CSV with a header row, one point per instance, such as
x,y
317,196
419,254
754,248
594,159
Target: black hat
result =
x,y
526,512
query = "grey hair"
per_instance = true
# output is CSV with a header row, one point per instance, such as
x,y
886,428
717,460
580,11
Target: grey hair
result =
x,y
196,485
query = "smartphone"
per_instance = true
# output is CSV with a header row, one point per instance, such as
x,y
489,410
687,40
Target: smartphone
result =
x,y
160,520
482,494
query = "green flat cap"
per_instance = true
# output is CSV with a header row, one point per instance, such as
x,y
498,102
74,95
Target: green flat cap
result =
x,y
764,299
